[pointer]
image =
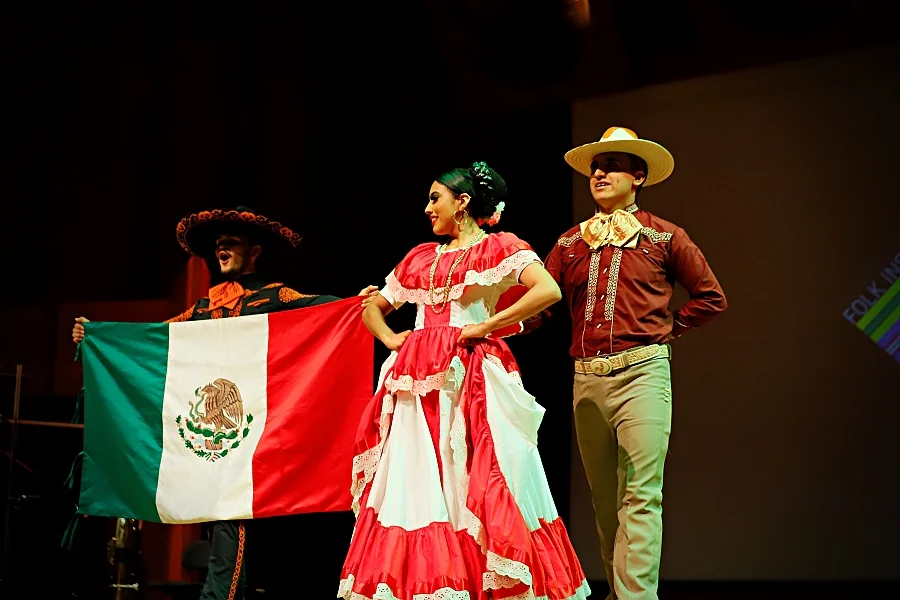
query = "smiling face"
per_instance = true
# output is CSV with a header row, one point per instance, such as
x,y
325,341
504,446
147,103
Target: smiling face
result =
x,y
236,255
442,205
615,179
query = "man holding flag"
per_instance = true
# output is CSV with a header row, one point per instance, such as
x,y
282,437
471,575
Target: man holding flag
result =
x,y
231,421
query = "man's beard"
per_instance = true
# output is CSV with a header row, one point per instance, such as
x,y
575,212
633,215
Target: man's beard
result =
x,y
232,272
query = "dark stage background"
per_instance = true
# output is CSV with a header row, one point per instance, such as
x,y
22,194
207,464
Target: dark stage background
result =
x,y
121,117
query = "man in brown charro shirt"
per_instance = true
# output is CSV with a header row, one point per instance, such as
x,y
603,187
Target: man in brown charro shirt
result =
x,y
617,271
235,239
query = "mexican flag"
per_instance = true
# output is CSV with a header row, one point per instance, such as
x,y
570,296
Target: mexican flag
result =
x,y
239,418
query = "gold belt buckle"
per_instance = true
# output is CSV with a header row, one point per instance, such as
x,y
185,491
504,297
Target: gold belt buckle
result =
x,y
601,366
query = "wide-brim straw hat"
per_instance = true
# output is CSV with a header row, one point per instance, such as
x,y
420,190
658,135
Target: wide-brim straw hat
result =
x,y
660,163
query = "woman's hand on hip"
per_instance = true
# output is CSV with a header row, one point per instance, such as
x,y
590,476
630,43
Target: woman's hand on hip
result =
x,y
395,341
473,332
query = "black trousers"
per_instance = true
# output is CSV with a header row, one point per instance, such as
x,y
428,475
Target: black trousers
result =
x,y
223,557
296,556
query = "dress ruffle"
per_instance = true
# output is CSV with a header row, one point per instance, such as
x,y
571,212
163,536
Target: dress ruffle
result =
x,y
486,264
419,554
430,359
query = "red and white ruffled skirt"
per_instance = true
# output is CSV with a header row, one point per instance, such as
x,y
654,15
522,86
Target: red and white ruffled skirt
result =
x,y
451,497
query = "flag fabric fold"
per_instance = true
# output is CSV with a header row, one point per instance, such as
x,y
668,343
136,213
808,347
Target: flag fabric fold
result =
x,y
238,418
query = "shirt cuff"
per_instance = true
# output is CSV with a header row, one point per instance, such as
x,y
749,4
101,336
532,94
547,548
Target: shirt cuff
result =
x,y
678,328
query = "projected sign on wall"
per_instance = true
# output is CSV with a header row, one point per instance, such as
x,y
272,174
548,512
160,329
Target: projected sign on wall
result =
x,y
877,312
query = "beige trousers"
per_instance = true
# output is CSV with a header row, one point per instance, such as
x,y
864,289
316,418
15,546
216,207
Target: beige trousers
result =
x,y
623,421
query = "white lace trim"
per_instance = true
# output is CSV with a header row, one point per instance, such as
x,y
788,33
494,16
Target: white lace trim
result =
x,y
383,592
493,581
583,591
508,568
474,527
502,572
486,278
454,375
367,462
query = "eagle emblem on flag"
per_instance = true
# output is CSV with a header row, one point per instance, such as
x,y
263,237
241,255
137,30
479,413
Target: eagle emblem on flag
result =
x,y
215,423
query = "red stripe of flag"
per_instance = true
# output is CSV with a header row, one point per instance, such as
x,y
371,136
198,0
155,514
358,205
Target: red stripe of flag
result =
x,y
320,366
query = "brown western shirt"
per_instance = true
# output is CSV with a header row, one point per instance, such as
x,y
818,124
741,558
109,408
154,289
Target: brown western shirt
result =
x,y
619,297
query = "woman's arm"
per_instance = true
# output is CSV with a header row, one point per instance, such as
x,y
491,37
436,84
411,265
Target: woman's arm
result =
x,y
374,311
542,292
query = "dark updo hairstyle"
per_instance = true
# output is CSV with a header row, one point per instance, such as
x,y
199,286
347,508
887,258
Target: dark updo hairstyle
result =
x,y
483,184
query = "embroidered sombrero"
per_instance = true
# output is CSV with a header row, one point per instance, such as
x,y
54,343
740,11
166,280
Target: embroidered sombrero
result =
x,y
197,232
660,163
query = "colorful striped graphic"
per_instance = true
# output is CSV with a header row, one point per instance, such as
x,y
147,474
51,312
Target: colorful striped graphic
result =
x,y
882,322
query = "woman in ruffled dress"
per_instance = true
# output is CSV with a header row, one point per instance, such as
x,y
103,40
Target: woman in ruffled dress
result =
x,y
451,498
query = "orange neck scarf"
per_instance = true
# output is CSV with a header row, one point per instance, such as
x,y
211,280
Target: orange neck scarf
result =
x,y
226,294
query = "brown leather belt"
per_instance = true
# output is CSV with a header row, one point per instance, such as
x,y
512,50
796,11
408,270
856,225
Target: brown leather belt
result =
x,y
604,365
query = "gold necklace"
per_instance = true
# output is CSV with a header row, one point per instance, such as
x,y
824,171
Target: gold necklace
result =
x,y
445,291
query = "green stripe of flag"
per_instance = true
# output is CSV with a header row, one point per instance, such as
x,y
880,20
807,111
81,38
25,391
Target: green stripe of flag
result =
x,y
890,297
117,359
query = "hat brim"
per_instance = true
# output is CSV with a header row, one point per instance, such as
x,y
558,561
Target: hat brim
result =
x,y
660,162
196,233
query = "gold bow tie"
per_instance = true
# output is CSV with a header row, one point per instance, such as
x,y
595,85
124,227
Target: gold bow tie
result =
x,y
619,228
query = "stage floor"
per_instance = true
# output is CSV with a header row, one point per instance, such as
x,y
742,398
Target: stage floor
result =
x,y
844,590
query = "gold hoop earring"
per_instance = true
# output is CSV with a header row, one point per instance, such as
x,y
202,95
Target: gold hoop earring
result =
x,y
464,217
